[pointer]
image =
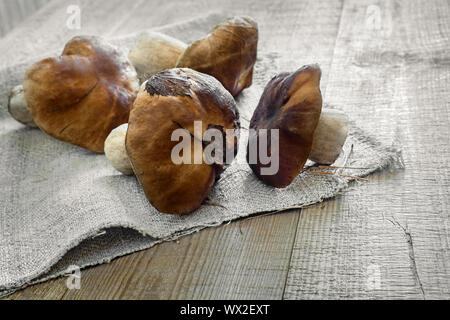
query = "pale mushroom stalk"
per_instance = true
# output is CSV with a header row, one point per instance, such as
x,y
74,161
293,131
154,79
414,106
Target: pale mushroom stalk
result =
x,y
18,108
115,150
329,137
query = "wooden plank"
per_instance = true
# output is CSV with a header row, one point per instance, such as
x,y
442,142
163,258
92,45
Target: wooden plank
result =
x,y
387,238
246,259
251,265
365,231
50,290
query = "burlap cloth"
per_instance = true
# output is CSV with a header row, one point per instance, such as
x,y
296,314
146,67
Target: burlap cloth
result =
x,y
57,200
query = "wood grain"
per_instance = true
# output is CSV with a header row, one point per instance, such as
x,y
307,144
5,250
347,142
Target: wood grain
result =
x,y
387,61
246,259
391,65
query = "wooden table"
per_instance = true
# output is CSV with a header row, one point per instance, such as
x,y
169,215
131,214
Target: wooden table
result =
x,y
387,63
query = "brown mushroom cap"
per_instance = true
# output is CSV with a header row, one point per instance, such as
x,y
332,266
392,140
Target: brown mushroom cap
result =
x,y
228,53
291,103
171,100
82,95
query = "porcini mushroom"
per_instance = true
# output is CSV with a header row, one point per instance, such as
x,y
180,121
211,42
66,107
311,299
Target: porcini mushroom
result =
x,y
116,152
155,52
82,95
18,109
228,53
186,101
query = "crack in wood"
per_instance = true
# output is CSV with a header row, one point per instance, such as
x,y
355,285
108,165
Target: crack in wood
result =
x,y
412,255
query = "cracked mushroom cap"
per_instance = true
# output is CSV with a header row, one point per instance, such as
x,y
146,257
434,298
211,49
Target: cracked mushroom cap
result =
x,y
291,103
82,95
228,53
172,100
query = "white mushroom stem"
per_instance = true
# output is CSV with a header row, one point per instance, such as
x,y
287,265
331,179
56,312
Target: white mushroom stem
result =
x,y
115,150
155,52
329,137
18,109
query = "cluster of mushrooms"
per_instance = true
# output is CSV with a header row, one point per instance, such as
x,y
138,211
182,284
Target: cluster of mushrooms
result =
x,y
98,97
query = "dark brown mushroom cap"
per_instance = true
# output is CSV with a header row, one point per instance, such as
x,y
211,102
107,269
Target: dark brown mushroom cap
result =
x,y
82,95
291,103
171,100
228,53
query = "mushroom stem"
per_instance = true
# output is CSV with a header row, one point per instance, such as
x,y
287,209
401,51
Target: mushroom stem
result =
x,y
329,137
18,108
